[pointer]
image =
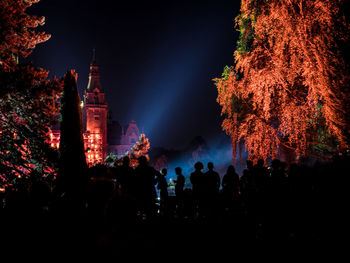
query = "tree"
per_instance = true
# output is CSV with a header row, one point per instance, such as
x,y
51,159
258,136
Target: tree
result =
x,y
290,83
17,37
28,100
139,149
111,160
72,154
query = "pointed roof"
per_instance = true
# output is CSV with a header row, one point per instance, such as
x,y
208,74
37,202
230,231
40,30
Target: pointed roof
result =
x,y
94,75
93,56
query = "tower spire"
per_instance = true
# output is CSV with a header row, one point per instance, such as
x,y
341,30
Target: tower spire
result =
x,y
94,76
95,112
93,56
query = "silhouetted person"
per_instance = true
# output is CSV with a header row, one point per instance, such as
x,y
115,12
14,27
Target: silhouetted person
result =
x,y
230,181
196,179
211,185
230,187
163,189
145,180
101,189
260,175
125,178
276,175
179,189
121,212
214,179
247,185
276,202
247,180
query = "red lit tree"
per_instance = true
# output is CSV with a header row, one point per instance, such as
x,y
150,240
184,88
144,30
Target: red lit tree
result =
x,y
140,148
28,100
290,83
17,37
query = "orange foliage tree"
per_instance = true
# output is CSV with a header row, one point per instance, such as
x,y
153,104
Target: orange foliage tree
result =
x,y
290,83
28,100
140,148
17,37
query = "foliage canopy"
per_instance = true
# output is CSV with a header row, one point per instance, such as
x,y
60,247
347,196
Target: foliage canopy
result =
x,y
290,82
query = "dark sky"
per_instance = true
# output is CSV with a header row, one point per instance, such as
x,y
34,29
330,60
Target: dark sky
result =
x,y
157,60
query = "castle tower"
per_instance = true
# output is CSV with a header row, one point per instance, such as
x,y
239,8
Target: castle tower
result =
x,y
95,111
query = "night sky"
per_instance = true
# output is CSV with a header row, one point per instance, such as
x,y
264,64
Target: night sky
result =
x,y
157,60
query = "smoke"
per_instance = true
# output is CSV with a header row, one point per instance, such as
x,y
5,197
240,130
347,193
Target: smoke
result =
x,y
218,151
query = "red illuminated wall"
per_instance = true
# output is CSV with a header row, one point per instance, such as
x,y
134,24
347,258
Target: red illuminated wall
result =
x,y
95,111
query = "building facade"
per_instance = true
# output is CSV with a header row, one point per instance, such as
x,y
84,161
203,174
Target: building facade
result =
x,y
102,135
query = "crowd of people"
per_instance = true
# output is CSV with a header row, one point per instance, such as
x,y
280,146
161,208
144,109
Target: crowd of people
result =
x,y
275,202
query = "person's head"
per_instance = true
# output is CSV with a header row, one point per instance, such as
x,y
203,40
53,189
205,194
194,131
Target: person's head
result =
x,y
275,164
178,170
210,166
249,164
142,160
230,169
260,162
164,171
283,166
126,160
198,166
245,172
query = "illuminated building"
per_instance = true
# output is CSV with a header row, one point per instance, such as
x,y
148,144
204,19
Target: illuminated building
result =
x,y
102,135
94,111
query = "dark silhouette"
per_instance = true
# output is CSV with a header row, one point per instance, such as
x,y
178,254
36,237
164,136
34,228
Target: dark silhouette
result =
x,y
163,190
230,198
247,180
230,182
145,180
290,206
211,185
179,190
260,174
196,179
189,204
101,189
71,178
125,178
214,179
247,187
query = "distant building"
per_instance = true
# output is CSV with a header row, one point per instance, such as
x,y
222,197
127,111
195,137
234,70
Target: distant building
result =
x,y
102,135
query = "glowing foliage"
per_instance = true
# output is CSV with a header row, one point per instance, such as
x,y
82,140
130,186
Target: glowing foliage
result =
x,y
17,37
140,148
291,77
28,100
